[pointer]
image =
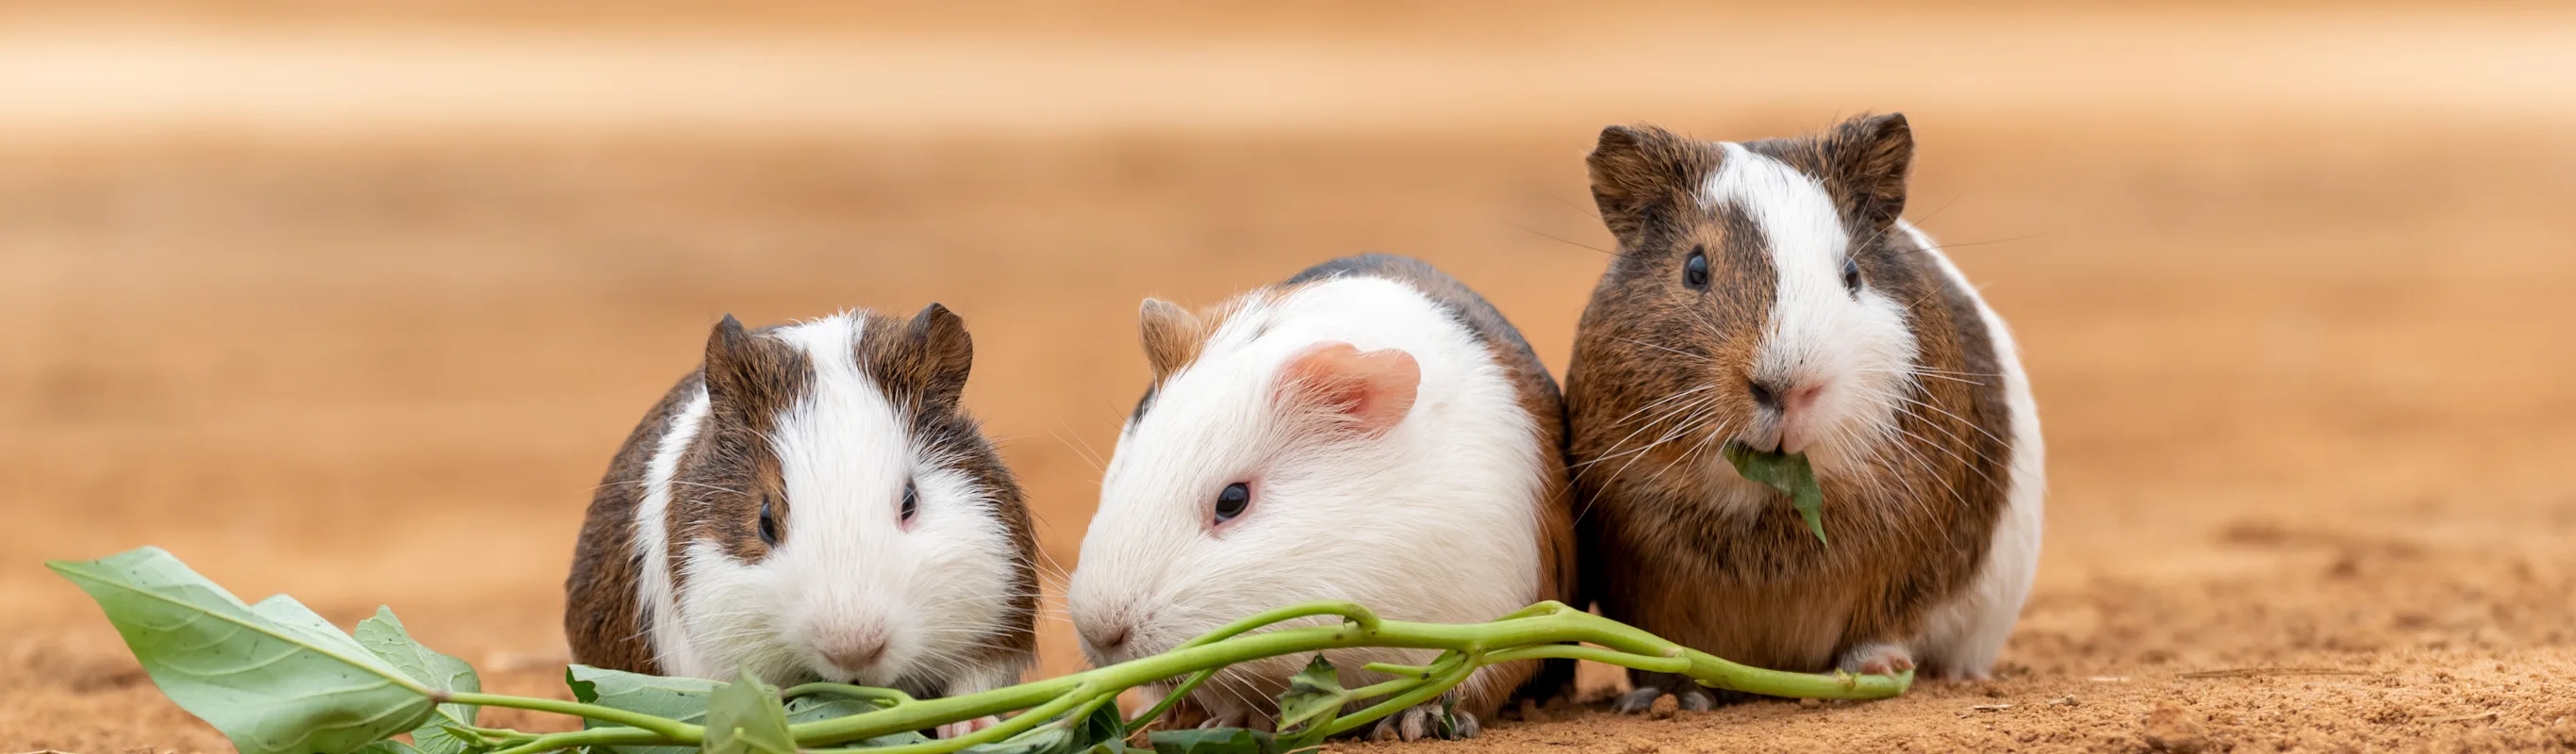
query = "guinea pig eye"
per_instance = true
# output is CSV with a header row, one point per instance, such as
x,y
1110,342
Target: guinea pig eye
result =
x,y
1851,275
1695,271
911,501
1231,502
768,523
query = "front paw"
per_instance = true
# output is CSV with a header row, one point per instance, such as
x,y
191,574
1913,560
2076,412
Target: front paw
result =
x,y
1425,721
1877,658
961,730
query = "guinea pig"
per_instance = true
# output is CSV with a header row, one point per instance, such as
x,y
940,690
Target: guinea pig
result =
x,y
1768,293
812,504
1369,430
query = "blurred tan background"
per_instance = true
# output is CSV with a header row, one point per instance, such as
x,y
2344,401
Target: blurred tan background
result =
x,y
354,300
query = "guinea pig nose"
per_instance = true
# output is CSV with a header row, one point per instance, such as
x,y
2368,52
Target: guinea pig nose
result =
x,y
859,654
1765,394
1800,399
1107,639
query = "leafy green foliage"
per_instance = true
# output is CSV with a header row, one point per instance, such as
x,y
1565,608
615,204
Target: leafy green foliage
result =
x,y
1786,472
745,717
384,636
274,677
279,679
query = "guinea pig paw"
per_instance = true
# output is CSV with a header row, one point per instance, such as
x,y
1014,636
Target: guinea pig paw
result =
x,y
1698,700
1878,659
961,730
1423,721
1636,700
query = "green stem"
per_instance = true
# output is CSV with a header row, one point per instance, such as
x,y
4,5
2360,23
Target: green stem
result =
x,y
1542,631
1008,728
591,737
888,697
678,732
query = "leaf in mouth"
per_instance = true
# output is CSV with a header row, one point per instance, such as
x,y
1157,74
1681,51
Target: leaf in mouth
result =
x,y
1786,472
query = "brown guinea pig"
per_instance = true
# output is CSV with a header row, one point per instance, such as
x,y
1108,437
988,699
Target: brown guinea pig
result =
x,y
813,504
1768,293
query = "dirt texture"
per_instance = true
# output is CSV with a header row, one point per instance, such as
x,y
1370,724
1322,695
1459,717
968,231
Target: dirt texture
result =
x,y
2292,286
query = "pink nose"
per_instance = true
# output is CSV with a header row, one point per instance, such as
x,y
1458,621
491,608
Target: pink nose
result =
x,y
1799,400
857,655
1105,640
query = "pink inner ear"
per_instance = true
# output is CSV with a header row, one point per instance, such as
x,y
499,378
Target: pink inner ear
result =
x,y
1374,389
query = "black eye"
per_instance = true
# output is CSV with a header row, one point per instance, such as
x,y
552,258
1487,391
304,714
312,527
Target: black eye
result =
x,y
1695,271
911,501
1851,275
768,523
1231,502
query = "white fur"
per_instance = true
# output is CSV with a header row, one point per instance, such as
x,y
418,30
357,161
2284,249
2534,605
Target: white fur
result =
x,y
1855,350
1965,635
1436,520
669,639
848,567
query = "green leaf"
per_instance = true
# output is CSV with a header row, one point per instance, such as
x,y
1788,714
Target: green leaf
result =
x,y
745,717
1212,741
682,699
384,636
275,678
1313,698
1786,472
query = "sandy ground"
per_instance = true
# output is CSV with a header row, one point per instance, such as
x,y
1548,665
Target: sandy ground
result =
x,y
2300,335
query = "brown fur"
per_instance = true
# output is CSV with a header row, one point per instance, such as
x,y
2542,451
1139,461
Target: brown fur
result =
x,y
729,470
1538,395
1759,588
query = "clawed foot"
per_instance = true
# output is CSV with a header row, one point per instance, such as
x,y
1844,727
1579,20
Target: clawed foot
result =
x,y
1636,700
1643,699
1877,659
1424,721
961,730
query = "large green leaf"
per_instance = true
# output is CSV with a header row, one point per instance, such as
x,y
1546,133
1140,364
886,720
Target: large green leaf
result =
x,y
1786,472
1313,698
745,717
275,678
384,636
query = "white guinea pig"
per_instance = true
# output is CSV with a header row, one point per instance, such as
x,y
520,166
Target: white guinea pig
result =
x,y
812,504
1369,430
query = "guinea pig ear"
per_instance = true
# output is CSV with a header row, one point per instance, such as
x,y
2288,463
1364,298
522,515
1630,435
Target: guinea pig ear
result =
x,y
947,353
1171,334
1371,389
1870,157
1639,171
728,356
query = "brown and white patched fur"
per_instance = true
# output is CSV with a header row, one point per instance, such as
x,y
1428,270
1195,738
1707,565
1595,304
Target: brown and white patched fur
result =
x,y
1396,445
812,504
1767,292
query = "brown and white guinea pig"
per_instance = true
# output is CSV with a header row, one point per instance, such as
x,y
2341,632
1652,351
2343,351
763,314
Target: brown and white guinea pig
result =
x,y
1767,293
812,504
1369,430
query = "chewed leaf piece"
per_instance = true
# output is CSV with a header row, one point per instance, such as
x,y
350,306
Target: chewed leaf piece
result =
x,y
1314,696
1787,472
745,717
